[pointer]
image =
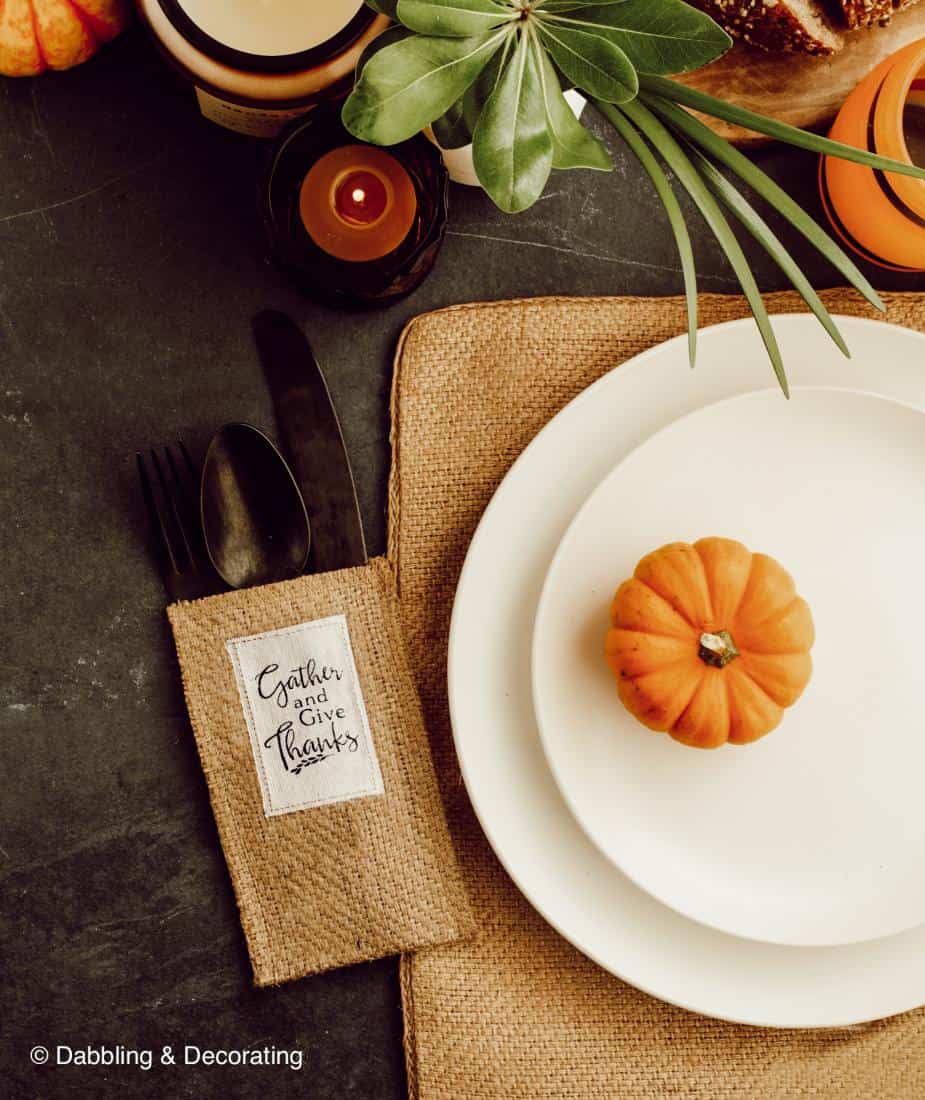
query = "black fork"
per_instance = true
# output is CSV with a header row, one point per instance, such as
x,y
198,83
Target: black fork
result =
x,y
170,486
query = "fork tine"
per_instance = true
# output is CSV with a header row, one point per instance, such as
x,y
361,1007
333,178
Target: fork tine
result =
x,y
170,494
155,514
191,494
186,478
190,465
169,483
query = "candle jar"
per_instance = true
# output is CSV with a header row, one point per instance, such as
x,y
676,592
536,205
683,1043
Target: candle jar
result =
x,y
256,66
352,224
881,215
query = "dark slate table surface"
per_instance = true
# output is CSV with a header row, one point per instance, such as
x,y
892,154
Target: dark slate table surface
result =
x,y
130,263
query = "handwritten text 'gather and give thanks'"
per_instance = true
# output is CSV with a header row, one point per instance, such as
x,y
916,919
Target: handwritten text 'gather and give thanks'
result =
x,y
316,727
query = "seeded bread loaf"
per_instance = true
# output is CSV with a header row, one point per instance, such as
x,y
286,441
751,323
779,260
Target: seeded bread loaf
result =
x,y
867,13
779,25
801,89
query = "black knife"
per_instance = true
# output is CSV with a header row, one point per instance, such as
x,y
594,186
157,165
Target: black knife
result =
x,y
312,442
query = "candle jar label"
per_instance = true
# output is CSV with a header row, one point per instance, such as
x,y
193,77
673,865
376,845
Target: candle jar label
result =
x,y
262,122
304,708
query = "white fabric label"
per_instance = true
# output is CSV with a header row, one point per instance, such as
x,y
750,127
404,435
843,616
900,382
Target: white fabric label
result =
x,y
304,708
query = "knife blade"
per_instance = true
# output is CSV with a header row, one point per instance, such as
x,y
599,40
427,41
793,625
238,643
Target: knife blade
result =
x,y
312,441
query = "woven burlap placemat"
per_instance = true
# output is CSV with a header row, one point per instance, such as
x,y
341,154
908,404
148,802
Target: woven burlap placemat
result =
x,y
517,1012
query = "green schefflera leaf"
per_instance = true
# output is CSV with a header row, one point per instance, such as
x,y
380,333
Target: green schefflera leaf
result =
x,y
658,36
451,129
572,5
384,7
407,85
572,145
480,90
454,18
512,148
596,65
389,37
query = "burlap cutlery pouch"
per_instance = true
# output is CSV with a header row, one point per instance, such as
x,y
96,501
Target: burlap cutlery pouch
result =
x,y
310,733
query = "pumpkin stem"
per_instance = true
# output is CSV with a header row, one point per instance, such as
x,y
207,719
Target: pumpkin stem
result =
x,y
717,649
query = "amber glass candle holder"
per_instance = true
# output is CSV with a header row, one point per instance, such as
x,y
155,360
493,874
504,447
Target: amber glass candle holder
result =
x,y
881,215
353,224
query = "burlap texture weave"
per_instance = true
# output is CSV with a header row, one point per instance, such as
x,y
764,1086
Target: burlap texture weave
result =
x,y
335,884
517,1013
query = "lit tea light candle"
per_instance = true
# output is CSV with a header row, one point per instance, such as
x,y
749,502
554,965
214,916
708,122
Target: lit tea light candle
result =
x,y
358,203
352,224
361,199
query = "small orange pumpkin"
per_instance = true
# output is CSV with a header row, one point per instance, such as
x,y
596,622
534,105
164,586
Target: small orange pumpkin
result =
x,y
36,35
709,643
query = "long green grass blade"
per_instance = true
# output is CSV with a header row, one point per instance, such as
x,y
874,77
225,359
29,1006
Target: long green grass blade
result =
x,y
773,193
781,131
736,202
669,200
677,160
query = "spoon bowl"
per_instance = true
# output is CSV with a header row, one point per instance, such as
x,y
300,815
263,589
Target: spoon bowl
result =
x,y
253,515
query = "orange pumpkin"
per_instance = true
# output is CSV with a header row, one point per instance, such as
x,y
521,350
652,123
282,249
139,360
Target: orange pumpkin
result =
x,y
36,35
709,643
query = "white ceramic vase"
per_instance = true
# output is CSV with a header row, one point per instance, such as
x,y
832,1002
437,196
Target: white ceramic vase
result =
x,y
459,161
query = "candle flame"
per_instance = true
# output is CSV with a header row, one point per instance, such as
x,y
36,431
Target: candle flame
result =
x,y
358,195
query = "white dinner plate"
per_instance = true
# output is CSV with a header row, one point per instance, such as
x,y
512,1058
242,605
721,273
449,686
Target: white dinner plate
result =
x,y
560,871
814,835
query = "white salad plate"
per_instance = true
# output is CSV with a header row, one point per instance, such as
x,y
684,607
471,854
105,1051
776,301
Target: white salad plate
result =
x,y
814,835
564,875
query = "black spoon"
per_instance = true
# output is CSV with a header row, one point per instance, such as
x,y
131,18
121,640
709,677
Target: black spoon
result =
x,y
253,516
